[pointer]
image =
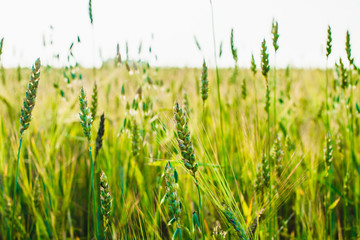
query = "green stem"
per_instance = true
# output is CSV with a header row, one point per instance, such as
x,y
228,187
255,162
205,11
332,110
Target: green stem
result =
x,y
218,86
268,156
275,95
256,117
326,96
15,188
91,192
200,210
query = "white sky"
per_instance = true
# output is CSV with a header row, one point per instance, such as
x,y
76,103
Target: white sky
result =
x,y
302,28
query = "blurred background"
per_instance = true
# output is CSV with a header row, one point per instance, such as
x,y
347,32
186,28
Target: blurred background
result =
x,y
46,28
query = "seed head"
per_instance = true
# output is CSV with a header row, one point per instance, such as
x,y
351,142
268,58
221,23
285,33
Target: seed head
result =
x,y
183,138
328,42
233,49
105,200
30,97
253,65
275,33
135,139
1,46
348,48
204,82
171,193
94,102
85,115
100,135
328,153
264,60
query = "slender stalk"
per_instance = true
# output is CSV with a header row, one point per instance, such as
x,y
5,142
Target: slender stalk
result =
x,y
200,210
326,96
92,192
275,123
15,188
92,187
257,115
218,87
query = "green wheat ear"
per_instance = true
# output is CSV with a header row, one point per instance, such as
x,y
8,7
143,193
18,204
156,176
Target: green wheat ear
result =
x,y
100,134
204,88
90,12
10,211
30,97
233,49
277,156
172,197
234,222
265,67
184,139
328,153
85,115
94,102
106,201
1,46
135,140
328,43
343,75
253,65
348,48
275,33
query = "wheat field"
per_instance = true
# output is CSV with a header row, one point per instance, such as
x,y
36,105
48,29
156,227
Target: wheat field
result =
x,y
134,151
